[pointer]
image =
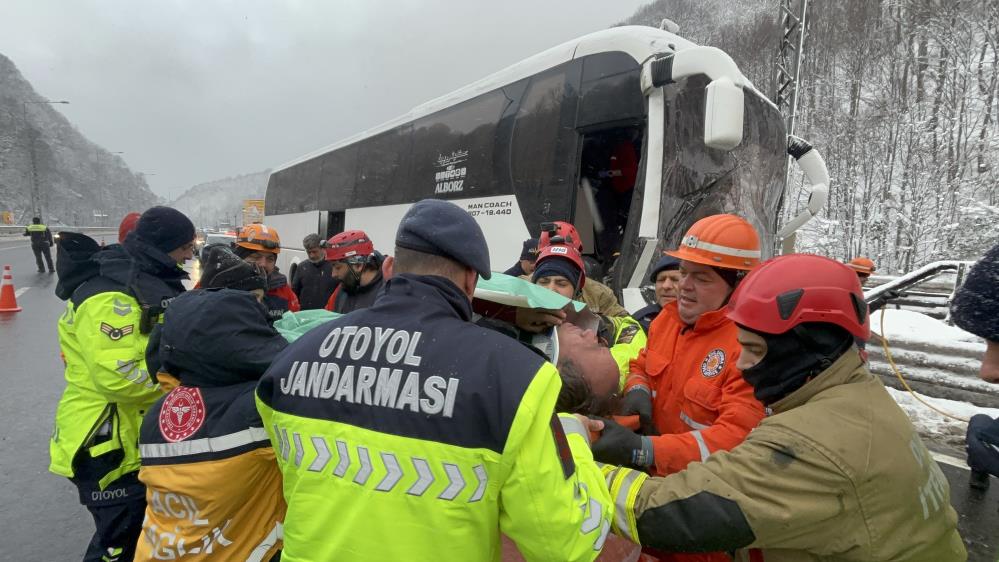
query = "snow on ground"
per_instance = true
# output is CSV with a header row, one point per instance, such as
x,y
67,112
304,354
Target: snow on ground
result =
x,y
934,427
906,325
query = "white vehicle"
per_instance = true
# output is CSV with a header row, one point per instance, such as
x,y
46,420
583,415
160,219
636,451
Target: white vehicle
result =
x,y
543,140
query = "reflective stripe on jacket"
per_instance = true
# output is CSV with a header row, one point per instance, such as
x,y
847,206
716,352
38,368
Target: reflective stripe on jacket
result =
x,y
106,379
836,474
403,423
701,402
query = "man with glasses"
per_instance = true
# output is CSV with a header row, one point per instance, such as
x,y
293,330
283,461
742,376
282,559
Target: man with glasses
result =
x,y
260,245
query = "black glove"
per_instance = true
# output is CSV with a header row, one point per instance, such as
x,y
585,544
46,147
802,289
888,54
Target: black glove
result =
x,y
639,401
621,446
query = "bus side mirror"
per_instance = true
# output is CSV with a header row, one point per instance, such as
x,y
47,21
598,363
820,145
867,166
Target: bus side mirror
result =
x,y
723,108
723,114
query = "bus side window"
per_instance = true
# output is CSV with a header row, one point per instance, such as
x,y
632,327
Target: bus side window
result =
x,y
544,145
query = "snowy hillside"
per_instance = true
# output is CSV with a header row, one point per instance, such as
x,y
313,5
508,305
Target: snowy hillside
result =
x,y
77,179
220,202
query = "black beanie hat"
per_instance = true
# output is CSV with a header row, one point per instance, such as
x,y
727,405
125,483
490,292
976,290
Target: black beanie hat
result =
x,y
557,266
164,228
976,304
225,270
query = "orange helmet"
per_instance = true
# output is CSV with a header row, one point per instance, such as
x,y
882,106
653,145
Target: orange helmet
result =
x,y
725,241
862,265
260,238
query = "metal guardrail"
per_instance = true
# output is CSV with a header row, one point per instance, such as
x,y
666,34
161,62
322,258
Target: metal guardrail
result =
x,y
882,294
18,230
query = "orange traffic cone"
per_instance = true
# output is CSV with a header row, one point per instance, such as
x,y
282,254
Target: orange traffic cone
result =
x,y
8,300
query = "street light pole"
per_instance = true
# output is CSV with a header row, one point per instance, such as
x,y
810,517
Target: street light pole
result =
x,y
35,199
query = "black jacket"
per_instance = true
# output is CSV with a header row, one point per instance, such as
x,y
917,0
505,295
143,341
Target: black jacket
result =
x,y
219,342
646,315
314,283
135,268
363,297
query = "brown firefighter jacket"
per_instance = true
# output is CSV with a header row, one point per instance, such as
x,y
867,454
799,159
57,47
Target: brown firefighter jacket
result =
x,y
837,473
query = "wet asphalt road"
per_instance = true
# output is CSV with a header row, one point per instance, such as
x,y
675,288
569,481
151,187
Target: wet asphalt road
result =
x,y
40,517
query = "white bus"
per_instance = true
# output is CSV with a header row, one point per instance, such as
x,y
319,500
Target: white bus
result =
x,y
543,140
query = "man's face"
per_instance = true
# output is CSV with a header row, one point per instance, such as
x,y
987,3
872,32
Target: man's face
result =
x,y
316,254
527,266
667,286
263,260
341,268
754,349
595,364
557,283
183,253
701,290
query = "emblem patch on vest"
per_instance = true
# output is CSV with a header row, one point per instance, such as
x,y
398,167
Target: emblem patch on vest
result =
x,y
713,364
627,334
182,414
115,333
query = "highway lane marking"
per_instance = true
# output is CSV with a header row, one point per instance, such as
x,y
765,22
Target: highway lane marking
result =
x,y
947,459
21,291
15,247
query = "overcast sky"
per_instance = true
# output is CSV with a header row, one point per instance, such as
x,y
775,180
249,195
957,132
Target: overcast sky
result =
x,y
198,90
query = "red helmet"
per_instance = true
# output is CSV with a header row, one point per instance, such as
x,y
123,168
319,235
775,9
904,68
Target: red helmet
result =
x,y
790,290
564,252
559,232
353,246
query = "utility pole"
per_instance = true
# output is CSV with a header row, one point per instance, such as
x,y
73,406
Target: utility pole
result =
x,y
793,14
36,207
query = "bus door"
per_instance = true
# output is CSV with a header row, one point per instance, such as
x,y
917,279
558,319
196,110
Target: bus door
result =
x,y
609,166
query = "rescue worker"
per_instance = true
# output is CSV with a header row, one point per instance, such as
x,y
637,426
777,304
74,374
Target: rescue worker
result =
x,y
115,297
213,489
560,269
975,308
863,266
685,386
528,254
260,245
445,434
41,243
665,278
313,281
599,298
836,473
358,268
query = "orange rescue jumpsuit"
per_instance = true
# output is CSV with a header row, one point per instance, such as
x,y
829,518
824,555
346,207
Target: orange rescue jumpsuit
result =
x,y
701,403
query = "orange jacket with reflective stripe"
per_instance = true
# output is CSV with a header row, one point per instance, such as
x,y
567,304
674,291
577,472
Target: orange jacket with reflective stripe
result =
x,y
701,402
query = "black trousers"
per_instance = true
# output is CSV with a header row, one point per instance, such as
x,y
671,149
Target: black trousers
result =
x,y
118,510
39,251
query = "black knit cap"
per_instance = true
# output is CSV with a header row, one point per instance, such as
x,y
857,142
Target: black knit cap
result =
x,y
558,266
165,228
444,229
225,270
976,304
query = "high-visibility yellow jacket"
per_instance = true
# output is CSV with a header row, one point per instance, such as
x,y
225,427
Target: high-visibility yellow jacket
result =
x,y
103,341
405,432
